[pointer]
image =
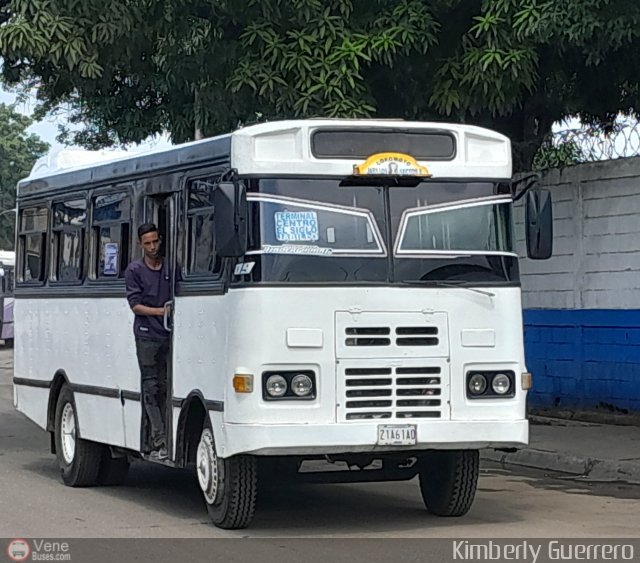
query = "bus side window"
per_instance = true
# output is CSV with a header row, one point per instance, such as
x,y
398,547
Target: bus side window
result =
x,y
201,257
68,230
111,235
32,244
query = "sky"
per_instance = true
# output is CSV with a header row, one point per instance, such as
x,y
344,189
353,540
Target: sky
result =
x,y
47,129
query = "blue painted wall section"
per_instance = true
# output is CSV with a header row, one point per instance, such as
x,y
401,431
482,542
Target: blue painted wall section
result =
x,y
584,358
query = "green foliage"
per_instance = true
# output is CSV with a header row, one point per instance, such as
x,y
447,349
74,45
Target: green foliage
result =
x,y
552,155
130,68
18,152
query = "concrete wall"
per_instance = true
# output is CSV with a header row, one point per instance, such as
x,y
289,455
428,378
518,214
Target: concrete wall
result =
x,y
582,307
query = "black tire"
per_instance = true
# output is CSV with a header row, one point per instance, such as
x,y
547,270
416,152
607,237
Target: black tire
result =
x,y
229,485
81,470
448,481
113,470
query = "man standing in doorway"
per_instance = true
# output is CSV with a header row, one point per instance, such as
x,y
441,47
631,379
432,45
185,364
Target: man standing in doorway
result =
x,y
148,291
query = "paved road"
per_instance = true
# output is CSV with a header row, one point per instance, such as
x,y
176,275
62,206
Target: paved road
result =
x,y
164,503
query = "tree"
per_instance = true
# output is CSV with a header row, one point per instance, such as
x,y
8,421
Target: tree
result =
x,y
130,68
18,152
557,155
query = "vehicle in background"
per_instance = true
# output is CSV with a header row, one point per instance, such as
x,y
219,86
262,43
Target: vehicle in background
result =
x,y
7,265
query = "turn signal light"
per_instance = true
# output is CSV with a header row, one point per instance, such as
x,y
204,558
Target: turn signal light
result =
x,y
243,383
527,381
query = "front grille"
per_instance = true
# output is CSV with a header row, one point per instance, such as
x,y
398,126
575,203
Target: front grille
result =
x,y
393,392
382,336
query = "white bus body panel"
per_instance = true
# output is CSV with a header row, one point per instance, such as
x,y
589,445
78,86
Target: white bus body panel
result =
x,y
265,329
247,331
91,342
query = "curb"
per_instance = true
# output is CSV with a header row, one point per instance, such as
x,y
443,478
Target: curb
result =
x,y
585,468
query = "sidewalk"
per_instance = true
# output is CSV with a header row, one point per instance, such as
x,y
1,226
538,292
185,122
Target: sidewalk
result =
x,y
595,452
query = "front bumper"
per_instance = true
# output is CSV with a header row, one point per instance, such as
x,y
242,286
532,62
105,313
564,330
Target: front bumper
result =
x,y
320,439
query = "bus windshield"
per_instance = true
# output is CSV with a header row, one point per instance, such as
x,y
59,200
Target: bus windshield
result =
x,y
317,230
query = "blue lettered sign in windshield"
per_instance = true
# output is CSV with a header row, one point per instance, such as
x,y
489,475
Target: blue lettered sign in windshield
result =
x,y
296,226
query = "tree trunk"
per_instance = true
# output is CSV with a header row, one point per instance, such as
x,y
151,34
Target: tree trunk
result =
x,y
197,111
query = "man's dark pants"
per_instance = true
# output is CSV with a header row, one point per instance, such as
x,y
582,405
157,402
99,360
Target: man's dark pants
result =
x,y
152,359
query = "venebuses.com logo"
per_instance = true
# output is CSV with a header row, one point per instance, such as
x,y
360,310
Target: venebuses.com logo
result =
x,y
38,550
18,549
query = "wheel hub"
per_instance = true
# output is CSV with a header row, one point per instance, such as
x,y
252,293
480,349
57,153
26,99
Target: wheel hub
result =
x,y
207,467
68,434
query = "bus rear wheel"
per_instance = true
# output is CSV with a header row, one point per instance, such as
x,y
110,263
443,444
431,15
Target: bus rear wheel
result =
x,y
79,460
229,485
448,481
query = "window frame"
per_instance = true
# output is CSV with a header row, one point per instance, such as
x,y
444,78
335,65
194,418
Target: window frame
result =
x,y
409,213
45,238
189,215
56,234
362,213
93,266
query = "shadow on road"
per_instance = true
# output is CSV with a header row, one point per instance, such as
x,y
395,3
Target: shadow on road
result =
x,y
319,508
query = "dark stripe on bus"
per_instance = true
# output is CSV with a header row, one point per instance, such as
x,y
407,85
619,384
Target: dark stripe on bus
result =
x,y
130,395
32,382
95,390
217,406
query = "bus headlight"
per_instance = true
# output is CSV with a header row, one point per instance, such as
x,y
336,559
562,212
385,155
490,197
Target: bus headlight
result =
x,y
301,385
501,384
276,386
289,385
488,384
477,384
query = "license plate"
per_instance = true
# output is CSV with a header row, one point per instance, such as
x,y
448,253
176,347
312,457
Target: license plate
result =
x,y
397,435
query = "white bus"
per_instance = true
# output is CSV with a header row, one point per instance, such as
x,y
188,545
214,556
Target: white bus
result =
x,y
348,292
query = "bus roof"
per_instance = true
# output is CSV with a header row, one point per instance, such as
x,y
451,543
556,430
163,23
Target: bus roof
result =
x,y
316,147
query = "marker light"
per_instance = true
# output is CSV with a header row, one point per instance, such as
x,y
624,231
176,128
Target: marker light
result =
x,y
243,383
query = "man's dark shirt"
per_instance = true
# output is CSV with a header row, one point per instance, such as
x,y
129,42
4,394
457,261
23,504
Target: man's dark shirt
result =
x,y
153,289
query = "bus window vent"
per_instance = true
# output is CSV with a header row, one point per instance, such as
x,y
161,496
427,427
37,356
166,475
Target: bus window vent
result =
x,y
368,336
417,336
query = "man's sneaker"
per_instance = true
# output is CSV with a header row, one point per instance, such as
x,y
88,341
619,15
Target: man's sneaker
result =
x,y
159,455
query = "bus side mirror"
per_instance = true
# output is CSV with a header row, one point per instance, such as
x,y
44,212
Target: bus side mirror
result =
x,y
539,224
230,201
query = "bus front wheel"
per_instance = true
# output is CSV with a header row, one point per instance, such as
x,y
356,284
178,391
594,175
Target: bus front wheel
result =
x,y
229,485
78,459
448,480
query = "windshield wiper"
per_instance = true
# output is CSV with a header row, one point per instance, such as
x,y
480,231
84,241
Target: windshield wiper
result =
x,y
460,285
